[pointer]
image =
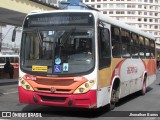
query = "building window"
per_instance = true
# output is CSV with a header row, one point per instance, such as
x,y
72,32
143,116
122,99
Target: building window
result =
x,y
92,6
150,20
104,12
155,27
118,12
145,26
155,33
98,6
105,5
156,20
131,12
92,0
156,7
156,14
86,1
111,5
139,6
145,7
139,19
151,1
150,13
98,0
129,6
110,12
139,13
145,19
145,13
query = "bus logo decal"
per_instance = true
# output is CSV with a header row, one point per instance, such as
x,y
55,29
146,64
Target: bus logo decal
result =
x,y
53,89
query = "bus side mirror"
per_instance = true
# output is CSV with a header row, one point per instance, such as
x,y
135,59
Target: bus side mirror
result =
x,y
14,35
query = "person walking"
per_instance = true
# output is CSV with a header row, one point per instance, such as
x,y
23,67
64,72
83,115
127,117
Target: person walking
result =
x,y
8,68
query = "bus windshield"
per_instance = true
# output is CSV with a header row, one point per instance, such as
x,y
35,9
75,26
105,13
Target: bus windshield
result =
x,y
63,50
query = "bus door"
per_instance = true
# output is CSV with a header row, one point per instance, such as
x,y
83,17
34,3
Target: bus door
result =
x,y
104,70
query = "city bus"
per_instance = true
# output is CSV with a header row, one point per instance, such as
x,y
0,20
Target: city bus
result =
x,y
14,60
83,59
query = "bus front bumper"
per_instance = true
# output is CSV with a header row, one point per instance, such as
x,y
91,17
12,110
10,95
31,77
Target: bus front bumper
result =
x,y
87,100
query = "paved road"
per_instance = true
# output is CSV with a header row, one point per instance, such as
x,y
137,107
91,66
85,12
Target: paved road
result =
x,y
135,102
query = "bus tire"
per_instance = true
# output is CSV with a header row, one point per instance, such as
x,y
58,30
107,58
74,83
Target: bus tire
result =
x,y
113,99
143,90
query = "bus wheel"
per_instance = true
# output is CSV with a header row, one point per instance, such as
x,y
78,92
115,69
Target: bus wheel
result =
x,y
143,91
113,99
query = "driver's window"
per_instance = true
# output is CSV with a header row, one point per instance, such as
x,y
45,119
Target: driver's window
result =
x,y
104,47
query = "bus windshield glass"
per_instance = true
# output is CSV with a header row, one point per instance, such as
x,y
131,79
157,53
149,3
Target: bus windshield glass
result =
x,y
58,50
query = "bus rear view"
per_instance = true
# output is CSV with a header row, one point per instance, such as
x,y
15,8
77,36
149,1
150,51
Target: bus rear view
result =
x,y
57,60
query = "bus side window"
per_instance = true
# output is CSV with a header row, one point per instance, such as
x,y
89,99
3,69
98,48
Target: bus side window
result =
x,y
147,48
2,60
125,38
7,59
104,48
16,59
134,45
116,43
142,47
12,60
152,47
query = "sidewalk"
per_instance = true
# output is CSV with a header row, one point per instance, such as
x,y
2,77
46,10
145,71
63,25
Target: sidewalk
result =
x,y
8,81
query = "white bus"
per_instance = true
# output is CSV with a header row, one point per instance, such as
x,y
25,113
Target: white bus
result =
x,y
57,69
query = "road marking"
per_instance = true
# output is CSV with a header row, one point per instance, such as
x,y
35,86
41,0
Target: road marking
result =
x,y
9,93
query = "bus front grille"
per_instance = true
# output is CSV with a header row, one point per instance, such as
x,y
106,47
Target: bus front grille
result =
x,y
52,99
49,90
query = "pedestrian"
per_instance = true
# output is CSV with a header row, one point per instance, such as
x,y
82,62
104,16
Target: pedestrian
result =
x,y
8,68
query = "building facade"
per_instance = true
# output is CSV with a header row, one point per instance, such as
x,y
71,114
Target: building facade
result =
x,y
144,14
50,2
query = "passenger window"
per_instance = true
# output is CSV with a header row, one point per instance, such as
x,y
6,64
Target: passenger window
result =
x,y
116,43
152,48
147,49
142,47
134,45
125,38
2,60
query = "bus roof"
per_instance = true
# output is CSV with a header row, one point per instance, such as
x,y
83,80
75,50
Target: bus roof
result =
x,y
123,25
107,19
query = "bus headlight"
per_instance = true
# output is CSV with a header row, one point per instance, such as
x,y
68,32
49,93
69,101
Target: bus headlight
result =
x,y
85,87
26,85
